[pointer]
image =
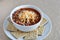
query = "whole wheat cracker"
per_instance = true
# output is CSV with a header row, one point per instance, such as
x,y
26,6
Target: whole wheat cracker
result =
x,y
11,27
44,21
40,29
31,35
18,34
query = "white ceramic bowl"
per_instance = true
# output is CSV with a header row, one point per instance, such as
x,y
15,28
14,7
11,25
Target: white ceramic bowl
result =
x,y
26,28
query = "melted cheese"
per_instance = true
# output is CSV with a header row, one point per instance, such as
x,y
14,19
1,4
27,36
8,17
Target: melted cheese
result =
x,y
26,15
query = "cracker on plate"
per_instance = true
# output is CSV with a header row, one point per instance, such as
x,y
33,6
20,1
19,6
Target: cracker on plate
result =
x,y
11,27
18,34
44,21
29,35
40,30
33,35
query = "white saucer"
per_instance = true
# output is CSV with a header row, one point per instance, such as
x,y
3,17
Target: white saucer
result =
x,y
47,30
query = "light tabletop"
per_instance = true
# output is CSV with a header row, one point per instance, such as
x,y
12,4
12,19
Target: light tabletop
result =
x,y
50,7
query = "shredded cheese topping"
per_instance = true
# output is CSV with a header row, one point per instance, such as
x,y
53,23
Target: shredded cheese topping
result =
x,y
26,16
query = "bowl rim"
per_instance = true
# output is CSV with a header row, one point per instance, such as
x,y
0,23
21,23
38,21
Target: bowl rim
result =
x,y
26,6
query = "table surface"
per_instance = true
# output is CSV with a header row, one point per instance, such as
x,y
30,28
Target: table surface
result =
x,y
50,7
